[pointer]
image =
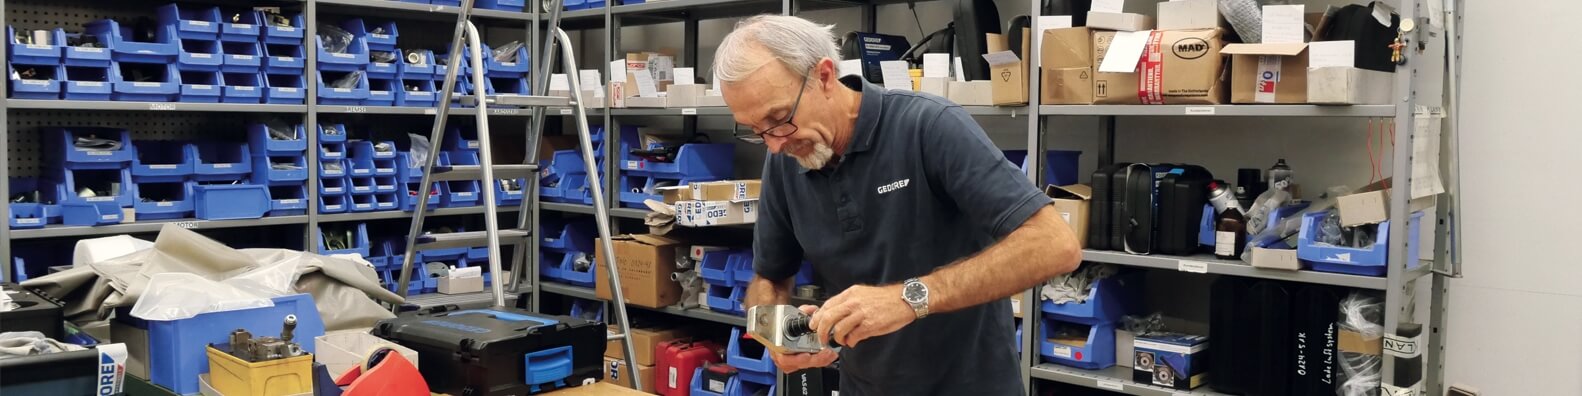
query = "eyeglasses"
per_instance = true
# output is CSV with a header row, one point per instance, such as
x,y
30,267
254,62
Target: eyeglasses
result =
x,y
783,129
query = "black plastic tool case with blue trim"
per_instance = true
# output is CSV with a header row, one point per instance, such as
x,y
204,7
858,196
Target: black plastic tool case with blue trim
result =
x,y
499,351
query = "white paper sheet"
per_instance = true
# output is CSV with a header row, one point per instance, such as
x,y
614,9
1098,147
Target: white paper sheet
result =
x,y
851,67
618,71
1425,155
1114,6
936,65
1125,51
896,75
589,79
685,76
559,82
645,85
1331,54
961,74
1282,24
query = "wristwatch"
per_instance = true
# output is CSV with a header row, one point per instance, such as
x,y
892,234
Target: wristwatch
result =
x,y
915,293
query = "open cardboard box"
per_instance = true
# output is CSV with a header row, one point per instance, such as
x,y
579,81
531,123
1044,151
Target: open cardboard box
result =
x,y
1268,73
1072,203
1067,66
646,262
1371,205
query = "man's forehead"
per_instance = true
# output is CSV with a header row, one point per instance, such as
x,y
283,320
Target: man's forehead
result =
x,y
759,93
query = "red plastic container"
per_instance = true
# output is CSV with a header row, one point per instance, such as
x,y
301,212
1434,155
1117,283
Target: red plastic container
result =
x,y
675,362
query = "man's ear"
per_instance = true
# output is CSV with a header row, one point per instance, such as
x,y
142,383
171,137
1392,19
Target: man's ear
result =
x,y
827,73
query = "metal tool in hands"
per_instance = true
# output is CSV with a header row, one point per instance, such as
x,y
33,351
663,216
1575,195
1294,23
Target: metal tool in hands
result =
x,y
784,329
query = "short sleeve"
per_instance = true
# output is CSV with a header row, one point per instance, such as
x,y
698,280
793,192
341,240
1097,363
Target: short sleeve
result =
x,y
776,253
974,173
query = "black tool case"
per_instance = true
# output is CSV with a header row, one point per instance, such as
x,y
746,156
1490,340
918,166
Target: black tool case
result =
x,y
1134,222
1183,190
32,313
1103,205
499,351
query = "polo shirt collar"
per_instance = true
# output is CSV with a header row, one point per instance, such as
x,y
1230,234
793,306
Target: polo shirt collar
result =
x,y
867,116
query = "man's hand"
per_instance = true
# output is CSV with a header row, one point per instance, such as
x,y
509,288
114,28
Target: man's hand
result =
x,y
800,361
860,313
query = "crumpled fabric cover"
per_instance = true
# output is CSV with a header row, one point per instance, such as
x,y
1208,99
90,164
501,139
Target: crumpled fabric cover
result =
x,y
27,343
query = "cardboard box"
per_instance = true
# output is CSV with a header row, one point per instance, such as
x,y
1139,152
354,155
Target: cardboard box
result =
x,y
646,262
684,96
1111,88
674,194
971,93
1176,361
711,98
615,372
1067,66
716,213
1016,306
1371,205
1268,73
1126,22
471,284
646,102
1124,348
1349,85
1188,70
937,86
1354,342
643,342
1284,259
725,190
1008,81
1072,202
1189,15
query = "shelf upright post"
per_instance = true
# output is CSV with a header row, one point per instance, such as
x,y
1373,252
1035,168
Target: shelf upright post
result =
x,y
310,121
1402,333
689,51
5,172
612,128
1035,170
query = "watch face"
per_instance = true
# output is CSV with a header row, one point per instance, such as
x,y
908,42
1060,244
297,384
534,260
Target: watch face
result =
x,y
916,292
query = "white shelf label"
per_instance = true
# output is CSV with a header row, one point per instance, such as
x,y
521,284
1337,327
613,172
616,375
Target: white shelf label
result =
x,y
39,46
161,106
89,50
1197,267
222,166
110,217
1062,352
27,221
364,206
241,26
1200,110
505,111
165,204
202,86
290,201
565,111
242,57
90,84
286,29
99,152
287,90
147,84
285,59
1112,385
247,89
689,111
198,23
100,199
202,56
634,165
187,224
162,167
362,188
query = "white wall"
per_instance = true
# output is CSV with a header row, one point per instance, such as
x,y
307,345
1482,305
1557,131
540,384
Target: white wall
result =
x,y
1515,321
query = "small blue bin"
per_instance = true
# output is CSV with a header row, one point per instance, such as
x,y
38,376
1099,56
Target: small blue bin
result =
x,y
502,5
631,2
573,5
60,148
231,201
725,299
505,196
200,55
90,213
509,85
517,69
284,34
246,28
1109,300
176,348
575,236
1060,166
46,54
161,82
384,40
360,244
361,185
45,84
162,161
549,265
570,274
385,184
409,191
701,389
566,180
26,216
264,171
741,266
1369,261
99,56
460,139
332,203
191,21
694,160
332,150
406,170
452,3
716,267
288,200
284,58
334,185
1275,217
87,83
123,49
381,70
202,87
423,96
750,359
222,161
355,57
423,69
350,96
261,142
382,91
1097,353
38,214
459,193
384,201
163,201
114,182
334,168
241,57
285,89
244,87
740,386
362,203
368,155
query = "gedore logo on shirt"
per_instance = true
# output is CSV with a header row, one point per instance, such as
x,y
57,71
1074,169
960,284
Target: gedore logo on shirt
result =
x,y
897,185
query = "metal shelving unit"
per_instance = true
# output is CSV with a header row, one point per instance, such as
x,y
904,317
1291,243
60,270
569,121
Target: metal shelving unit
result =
x,y
1114,379
1208,264
34,104
695,313
1374,111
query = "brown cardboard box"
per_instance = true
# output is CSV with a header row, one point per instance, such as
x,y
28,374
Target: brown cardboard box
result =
x,y
1284,259
683,96
1007,72
1111,88
674,194
1072,204
972,93
725,190
1188,70
1349,85
1354,342
713,213
643,342
1190,14
1371,204
1067,64
615,372
646,262
1268,73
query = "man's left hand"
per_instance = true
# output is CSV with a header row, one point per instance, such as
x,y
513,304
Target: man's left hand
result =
x,y
860,313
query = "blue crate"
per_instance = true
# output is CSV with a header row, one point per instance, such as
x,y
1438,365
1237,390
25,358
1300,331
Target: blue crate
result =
x,y
574,236
459,193
285,89
360,242
222,161
284,58
458,138
693,161
741,267
1060,166
199,55
353,96
332,203
231,201
259,140
162,161
191,21
425,69
73,180
49,54
566,180
176,348
247,28
87,83
123,49
549,266
34,215
405,170
424,96
382,91
334,168
334,185
244,87
265,173
504,196
750,359
202,87
385,41
1369,261
701,389
1098,353
284,34
725,299
592,4
46,84
509,85
241,57
717,267
99,56
360,185
1109,300
355,58
333,133
163,201
503,5
164,87
408,195
517,69
385,184
384,201
60,148
288,200
365,156
362,203
29,216
90,213
381,70
570,274
332,150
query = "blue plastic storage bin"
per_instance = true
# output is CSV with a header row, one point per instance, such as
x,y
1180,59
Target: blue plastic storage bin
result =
x,y
725,299
504,195
423,69
741,265
380,35
384,201
288,200
517,69
460,139
567,178
718,268
244,87
44,84
573,5
503,5
379,157
382,91
424,94
261,142
241,57
284,58
191,21
459,193
1060,166
699,388
45,54
264,171
99,56
36,214
386,184
361,202
1109,300
694,160
549,266
1097,353
162,161
231,201
512,85
90,213
570,274
59,146
1369,261
163,201
750,359
176,347
406,170
360,244
123,49
351,96
202,87
361,185
160,82
576,236
1275,217
247,26
741,387
199,55
332,203
111,185
354,58
284,34
332,150
452,3
409,191
285,89
87,83
631,2
334,168
381,70
334,185
222,161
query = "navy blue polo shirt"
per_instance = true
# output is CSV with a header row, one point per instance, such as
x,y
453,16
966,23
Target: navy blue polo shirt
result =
x,y
919,187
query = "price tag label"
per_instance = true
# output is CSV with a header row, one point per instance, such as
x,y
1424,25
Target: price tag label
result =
x,y
1112,385
689,111
1199,110
1196,267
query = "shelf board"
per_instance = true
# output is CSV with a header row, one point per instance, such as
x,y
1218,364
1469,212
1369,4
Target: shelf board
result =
x,y
1212,265
397,214
55,231
567,207
630,213
695,313
395,8
567,111
455,111
1011,111
36,104
1115,379
702,111
1221,110
483,299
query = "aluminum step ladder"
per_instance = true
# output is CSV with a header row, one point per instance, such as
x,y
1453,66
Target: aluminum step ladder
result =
x,y
490,174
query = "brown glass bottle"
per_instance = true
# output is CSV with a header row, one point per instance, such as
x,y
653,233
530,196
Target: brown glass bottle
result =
x,y
1230,227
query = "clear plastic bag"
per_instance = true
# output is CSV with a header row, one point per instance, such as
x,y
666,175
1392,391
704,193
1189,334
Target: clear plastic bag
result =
x,y
383,56
507,53
336,40
348,81
1360,373
174,295
280,130
418,154
1258,216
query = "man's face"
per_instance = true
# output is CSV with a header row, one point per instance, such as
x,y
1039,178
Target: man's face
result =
x,y
767,98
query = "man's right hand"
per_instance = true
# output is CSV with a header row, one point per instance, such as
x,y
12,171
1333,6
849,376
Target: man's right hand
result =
x,y
789,363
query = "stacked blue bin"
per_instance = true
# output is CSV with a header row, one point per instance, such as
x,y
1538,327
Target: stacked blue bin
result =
x,y
1371,260
751,360
718,269
506,73
460,149
146,70
567,252
693,162
349,65
409,176
280,164
567,177
285,61
416,71
162,172
373,170
93,179
198,57
41,208
36,68
334,169
384,60
1109,299
225,187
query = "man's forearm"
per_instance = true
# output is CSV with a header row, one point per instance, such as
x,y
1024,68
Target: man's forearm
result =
x,y
762,291
1042,248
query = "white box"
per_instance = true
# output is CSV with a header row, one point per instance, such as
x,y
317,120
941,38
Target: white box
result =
x,y
1126,22
684,96
341,351
1349,85
1189,15
937,86
971,93
646,102
715,213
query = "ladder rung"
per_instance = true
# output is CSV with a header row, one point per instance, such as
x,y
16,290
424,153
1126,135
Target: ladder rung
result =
x,y
469,239
475,172
614,337
520,100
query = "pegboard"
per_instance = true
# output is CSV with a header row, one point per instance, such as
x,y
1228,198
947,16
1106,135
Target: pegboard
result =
x,y
73,14
25,135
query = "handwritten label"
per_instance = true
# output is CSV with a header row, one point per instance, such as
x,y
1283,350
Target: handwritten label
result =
x,y
1112,385
1200,110
689,111
1196,267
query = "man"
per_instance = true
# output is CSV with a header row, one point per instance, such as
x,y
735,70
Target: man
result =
x,y
909,214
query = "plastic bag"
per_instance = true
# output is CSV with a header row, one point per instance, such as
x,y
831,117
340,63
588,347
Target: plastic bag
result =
x,y
336,40
1258,217
383,56
418,154
1246,16
280,130
174,295
507,53
1360,373
89,251
348,81
1144,325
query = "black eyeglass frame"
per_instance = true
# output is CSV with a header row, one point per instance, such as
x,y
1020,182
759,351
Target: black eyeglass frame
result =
x,y
757,137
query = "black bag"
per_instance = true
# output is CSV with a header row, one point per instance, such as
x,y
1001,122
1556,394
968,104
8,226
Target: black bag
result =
x,y
1250,321
973,19
1314,314
481,352
1182,193
1013,34
1134,222
1104,205
1356,22
1077,9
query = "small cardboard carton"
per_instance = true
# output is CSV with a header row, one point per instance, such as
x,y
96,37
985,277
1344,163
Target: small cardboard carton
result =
x,y
1268,73
725,190
1176,361
937,86
685,95
646,262
646,102
1189,15
1177,67
1067,66
643,342
1371,204
1126,22
1349,86
470,284
1006,78
615,372
971,93
1284,259
673,194
1111,88
716,213
1072,203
